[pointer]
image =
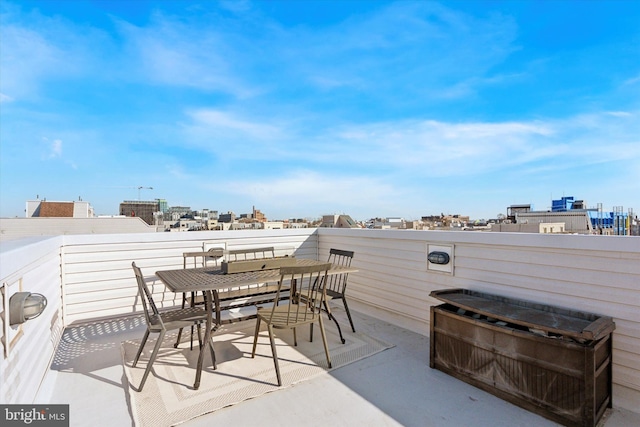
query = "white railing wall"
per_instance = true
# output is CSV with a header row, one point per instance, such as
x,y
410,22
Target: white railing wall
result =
x,y
89,276
33,266
99,281
595,274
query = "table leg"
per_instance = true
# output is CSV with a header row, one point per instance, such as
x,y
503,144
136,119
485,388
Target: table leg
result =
x,y
207,337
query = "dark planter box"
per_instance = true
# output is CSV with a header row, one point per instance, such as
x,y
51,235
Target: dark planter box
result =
x,y
549,360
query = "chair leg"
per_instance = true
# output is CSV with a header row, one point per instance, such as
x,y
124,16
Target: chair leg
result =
x,y
275,353
255,338
144,341
177,343
332,317
324,340
152,359
346,308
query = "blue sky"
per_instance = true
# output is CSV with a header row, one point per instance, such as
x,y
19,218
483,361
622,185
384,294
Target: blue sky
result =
x,y
368,108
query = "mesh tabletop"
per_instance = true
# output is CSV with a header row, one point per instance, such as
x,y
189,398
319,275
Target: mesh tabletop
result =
x,y
213,278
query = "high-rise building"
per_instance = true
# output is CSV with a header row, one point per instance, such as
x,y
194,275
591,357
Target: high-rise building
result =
x,y
164,205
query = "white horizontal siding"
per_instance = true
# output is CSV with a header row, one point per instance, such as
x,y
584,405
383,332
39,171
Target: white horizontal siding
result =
x,y
595,274
31,268
99,281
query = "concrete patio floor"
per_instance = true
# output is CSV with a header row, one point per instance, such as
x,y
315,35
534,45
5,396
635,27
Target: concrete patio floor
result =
x,y
392,388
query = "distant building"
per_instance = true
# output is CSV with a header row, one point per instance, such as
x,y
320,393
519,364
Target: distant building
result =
x,y
296,224
229,217
576,221
513,210
208,215
565,204
396,222
258,216
456,220
272,225
163,205
147,210
617,222
338,221
177,212
413,225
187,224
45,209
443,221
576,216
432,221
540,227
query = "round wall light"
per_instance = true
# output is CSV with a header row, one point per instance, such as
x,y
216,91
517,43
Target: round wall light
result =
x,y
25,306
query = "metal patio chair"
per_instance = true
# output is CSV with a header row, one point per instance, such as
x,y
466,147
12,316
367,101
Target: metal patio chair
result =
x,y
336,286
304,310
192,299
251,253
162,322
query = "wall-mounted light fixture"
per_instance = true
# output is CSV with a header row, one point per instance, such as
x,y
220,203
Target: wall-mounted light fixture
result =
x,y
24,306
437,257
440,257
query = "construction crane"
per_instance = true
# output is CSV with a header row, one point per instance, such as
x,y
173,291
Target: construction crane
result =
x,y
140,187
143,188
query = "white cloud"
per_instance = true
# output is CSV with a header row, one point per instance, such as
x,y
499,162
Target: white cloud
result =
x,y
176,53
303,192
56,148
40,49
407,47
234,137
53,148
226,123
632,81
420,149
619,113
418,49
26,57
433,148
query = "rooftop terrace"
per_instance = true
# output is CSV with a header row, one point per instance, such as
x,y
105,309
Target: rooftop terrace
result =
x,y
71,354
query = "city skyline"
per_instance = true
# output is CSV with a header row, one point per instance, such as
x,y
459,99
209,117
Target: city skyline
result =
x,y
565,202
304,109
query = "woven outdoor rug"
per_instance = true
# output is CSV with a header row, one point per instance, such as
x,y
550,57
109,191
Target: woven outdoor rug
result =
x,y
168,397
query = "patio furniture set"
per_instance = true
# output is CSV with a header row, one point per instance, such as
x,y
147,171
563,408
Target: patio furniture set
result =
x,y
281,292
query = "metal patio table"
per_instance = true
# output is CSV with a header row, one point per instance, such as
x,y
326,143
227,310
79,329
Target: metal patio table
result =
x,y
211,280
